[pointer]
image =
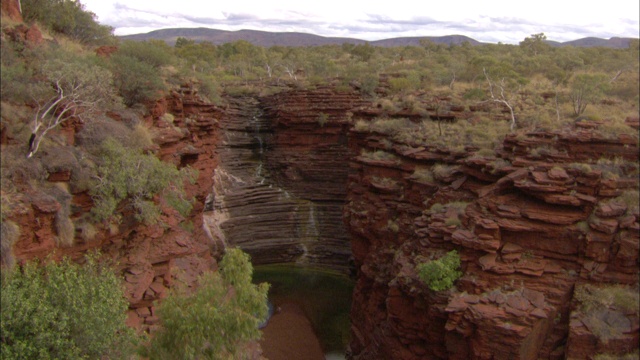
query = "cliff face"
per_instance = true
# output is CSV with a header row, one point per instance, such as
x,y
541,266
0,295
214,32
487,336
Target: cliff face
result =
x,y
280,186
529,229
149,257
289,178
11,9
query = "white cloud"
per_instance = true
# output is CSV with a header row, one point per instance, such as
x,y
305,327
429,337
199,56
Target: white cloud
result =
x,y
490,21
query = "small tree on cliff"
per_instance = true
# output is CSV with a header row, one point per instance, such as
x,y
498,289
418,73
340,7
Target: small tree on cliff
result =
x,y
586,89
216,320
74,87
500,94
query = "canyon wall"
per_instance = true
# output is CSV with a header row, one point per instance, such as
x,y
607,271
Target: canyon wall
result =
x,y
149,257
530,227
289,178
280,186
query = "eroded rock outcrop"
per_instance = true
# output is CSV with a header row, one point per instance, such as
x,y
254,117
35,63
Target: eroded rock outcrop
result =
x,y
150,257
530,223
12,9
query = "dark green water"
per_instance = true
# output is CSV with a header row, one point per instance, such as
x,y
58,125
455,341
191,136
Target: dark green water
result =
x,y
324,296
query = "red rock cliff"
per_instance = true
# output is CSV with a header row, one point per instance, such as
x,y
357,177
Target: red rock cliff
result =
x,y
11,9
280,186
529,230
149,257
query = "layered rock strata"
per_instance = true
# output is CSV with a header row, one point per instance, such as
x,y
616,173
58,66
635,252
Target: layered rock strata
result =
x,y
529,226
280,186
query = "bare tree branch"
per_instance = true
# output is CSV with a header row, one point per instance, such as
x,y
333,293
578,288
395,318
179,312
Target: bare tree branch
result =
x,y
79,88
502,99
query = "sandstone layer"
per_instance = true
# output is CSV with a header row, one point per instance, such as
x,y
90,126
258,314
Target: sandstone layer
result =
x,y
529,228
279,189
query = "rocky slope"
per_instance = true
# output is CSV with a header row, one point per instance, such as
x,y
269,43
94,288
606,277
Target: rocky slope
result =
x,y
150,257
530,227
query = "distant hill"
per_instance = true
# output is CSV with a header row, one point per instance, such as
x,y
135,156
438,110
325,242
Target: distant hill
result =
x,y
614,42
267,39
406,41
256,37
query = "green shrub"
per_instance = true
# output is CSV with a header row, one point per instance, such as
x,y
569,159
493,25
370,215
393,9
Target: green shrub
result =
x,y
87,231
136,81
130,174
209,89
323,119
15,82
453,221
389,126
361,126
475,94
603,308
583,167
215,321
405,83
393,226
423,175
442,171
437,208
154,53
440,274
64,311
378,155
368,84
69,18
631,198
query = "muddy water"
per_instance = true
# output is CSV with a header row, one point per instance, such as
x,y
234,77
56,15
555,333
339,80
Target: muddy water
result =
x,y
311,312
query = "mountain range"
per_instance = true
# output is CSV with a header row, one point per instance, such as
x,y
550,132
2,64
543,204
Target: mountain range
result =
x,y
267,39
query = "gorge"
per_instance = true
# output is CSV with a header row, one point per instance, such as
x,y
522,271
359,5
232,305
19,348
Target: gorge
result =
x,y
350,160
289,178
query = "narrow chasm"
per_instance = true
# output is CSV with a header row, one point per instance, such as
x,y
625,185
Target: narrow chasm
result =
x,y
278,194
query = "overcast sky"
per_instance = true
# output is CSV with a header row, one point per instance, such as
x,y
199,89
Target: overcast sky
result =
x,y
508,21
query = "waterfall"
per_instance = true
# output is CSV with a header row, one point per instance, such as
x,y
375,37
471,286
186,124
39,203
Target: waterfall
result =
x,y
312,228
308,232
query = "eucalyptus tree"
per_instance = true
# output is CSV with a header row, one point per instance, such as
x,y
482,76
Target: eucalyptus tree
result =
x,y
586,89
72,87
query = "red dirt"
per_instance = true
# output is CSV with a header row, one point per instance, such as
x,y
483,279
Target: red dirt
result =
x,y
289,335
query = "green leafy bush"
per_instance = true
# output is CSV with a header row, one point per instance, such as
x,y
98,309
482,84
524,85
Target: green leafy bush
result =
x,y
64,311
216,320
14,83
68,17
441,273
130,174
155,53
136,80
